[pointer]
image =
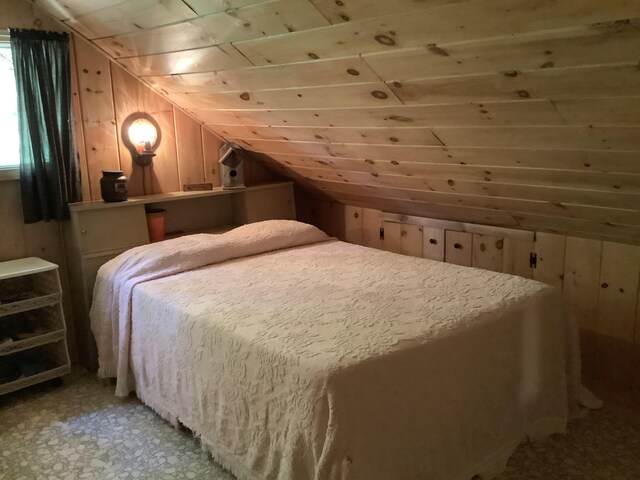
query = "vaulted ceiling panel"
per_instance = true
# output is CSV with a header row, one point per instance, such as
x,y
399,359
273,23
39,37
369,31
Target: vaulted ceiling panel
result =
x,y
521,113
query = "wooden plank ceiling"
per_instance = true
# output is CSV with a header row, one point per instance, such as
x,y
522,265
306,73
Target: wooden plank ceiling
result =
x,y
519,113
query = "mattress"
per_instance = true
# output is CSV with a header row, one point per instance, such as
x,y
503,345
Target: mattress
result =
x,y
327,360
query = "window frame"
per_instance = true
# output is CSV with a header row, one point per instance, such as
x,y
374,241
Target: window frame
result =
x,y
12,172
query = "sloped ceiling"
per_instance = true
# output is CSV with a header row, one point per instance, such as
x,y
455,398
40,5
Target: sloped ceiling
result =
x,y
522,113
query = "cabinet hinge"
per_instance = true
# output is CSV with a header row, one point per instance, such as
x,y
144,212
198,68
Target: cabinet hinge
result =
x,y
533,260
381,233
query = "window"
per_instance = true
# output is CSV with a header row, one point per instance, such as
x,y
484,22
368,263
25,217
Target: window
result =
x,y
9,140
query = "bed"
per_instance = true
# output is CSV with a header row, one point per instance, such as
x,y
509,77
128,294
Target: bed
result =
x,y
293,355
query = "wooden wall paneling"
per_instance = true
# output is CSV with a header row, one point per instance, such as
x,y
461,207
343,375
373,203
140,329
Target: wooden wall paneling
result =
x,y
129,16
436,25
371,225
205,7
99,119
295,75
581,283
411,240
524,112
578,160
211,144
132,96
204,59
355,95
600,111
449,192
516,257
126,97
189,149
253,21
339,12
613,42
78,125
73,8
618,295
392,240
617,310
555,83
433,245
556,137
550,254
353,232
458,248
487,252
12,241
568,226
560,201
376,135
399,175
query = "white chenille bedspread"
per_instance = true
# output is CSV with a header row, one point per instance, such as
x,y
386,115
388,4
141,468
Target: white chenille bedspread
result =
x,y
334,361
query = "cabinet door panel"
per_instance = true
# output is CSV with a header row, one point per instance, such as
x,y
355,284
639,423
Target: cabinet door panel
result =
x,y
487,252
433,243
112,228
458,247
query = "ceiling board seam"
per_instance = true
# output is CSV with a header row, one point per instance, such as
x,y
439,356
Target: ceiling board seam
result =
x,y
381,79
179,22
482,197
231,44
392,176
392,145
413,105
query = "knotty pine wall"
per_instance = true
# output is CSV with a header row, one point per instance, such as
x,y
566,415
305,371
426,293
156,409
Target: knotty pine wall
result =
x,y
104,94
600,280
518,113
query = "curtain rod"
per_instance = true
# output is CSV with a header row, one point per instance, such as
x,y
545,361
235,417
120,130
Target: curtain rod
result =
x,y
37,34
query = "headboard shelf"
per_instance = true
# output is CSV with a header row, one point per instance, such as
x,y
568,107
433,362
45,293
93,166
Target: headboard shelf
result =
x,y
171,196
99,231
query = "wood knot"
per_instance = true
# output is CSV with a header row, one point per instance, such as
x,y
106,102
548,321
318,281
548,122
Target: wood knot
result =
x,y
313,55
345,17
604,285
510,73
353,71
483,247
369,161
393,139
433,48
499,244
380,95
245,96
355,215
523,94
451,183
384,40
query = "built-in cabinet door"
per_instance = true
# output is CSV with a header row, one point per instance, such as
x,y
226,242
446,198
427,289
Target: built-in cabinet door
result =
x,y
392,238
487,252
433,243
108,229
458,248
353,232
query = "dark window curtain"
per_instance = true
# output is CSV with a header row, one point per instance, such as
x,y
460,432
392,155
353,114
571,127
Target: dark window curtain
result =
x,y
49,174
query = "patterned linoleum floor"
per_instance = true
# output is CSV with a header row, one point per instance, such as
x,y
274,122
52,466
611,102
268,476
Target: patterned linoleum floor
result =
x,y
80,430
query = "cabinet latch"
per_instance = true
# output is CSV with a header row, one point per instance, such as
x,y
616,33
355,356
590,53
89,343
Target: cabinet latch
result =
x,y
381,233
533,260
